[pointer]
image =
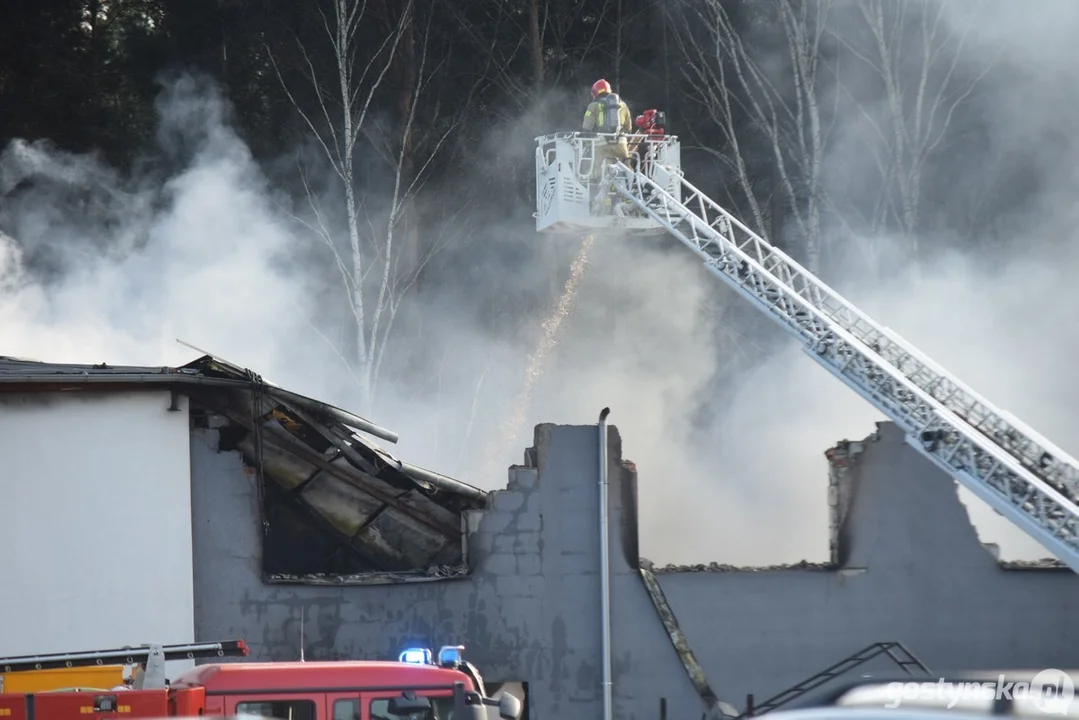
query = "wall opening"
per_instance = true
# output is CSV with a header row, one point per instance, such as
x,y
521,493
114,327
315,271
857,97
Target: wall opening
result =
x,y
336,510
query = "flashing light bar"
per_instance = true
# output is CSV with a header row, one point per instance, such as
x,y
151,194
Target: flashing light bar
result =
x,y
448,655
418,656
451,655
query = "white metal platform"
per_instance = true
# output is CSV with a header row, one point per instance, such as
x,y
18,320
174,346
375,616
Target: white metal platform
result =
x,y
574,197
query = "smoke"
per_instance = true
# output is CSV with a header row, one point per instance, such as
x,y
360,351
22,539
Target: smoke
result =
x,y
135,263
999,319
749,485
537,361
106,267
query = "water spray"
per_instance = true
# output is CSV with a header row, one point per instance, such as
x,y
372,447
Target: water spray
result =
x,y
548,337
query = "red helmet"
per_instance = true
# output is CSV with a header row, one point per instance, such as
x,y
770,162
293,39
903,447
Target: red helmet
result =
x,y
646,120
599,88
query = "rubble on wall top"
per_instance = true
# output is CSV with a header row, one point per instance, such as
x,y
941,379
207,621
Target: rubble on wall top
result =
x,y
715,567
441,572
1043,564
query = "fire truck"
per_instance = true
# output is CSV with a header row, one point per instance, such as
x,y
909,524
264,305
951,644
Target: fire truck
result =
x,y
418,685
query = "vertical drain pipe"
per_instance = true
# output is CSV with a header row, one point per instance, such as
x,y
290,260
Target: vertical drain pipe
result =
x,y
605,565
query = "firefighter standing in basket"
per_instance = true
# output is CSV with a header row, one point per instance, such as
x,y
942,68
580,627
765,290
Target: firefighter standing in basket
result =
x,y
650,125
608,115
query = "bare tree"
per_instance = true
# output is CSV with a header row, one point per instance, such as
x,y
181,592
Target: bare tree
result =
x,y
536,35
748,100
376,268
916,50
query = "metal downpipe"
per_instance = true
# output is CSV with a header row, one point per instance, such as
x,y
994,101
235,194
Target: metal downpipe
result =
x,y
605,566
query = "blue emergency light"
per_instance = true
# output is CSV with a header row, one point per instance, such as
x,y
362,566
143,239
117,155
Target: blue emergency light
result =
x,y
451,655
418,656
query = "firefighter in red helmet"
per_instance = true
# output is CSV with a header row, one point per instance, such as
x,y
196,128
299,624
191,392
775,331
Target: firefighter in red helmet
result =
x,y
651,122
609,116
650,127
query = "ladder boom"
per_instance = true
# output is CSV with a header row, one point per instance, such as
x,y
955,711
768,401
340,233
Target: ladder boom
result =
x,y
124,656
1034,452
1006,465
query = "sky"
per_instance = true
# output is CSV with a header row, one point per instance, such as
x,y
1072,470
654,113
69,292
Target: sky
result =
x,y
123,266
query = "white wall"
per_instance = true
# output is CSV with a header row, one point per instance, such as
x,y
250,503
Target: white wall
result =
x,y
95,521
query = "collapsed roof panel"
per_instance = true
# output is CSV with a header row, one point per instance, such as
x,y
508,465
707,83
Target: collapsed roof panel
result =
x,y
379,516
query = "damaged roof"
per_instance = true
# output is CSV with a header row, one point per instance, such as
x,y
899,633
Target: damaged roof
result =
x,y
393,519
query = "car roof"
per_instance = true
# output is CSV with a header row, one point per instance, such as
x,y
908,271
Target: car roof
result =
x,y
976,694
873,713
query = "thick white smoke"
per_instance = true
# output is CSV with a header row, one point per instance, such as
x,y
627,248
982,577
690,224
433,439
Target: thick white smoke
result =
x,y
754,492
202,257
124,266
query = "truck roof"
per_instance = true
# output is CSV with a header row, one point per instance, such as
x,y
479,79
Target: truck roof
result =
x,y
332,676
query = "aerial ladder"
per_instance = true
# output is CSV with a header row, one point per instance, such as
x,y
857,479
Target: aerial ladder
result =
x,y
149,659
1008,465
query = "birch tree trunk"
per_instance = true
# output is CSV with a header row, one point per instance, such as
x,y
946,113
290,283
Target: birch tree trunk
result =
x,y
915,52
344,104
734,85
536,37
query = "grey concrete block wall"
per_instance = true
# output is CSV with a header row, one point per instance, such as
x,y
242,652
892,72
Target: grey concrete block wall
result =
x,y
528,612
646,666
916,573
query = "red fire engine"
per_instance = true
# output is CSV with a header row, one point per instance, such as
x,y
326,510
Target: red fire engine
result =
x,y
416,685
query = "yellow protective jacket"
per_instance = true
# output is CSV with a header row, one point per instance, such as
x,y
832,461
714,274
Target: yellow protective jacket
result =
x,y
593,116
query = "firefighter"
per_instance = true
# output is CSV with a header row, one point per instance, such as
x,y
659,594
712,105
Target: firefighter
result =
x,y
650,125
607,114
650,122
